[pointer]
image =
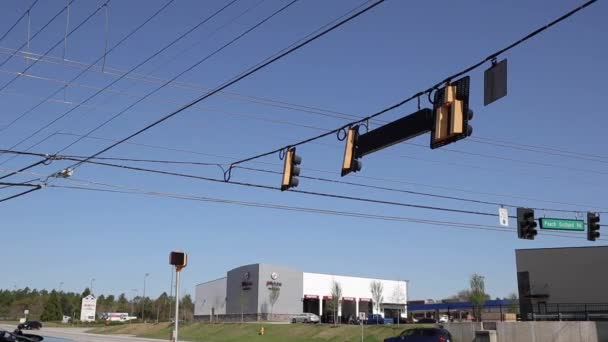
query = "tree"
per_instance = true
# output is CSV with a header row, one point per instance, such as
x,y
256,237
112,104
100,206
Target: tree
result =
x,y
123,304
513,303
52,309
273,296
336,298
86,292
376,289
461,296
477,295
186,307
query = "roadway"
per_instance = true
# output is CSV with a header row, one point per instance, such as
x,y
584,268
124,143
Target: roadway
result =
x,y
81,335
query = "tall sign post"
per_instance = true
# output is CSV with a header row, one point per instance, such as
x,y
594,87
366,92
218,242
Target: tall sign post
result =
x,y
179,260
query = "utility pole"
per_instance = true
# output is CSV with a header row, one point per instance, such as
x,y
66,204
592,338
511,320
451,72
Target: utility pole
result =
x,y
92,281
143,302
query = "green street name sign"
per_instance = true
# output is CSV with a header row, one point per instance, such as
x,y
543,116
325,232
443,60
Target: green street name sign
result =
x,y
562,224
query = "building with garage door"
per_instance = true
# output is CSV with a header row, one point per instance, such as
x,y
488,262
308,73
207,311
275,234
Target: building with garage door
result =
x,y
269,292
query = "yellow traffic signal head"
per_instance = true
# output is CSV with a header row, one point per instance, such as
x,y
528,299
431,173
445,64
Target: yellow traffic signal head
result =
x,y
351,163
451,113
291,169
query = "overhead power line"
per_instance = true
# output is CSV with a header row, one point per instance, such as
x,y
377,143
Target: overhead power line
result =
x,y
63,9
198,63
183,35
427,91
35,188
238,78
128,190
52,95
411,192
296,191
389,180
290,123
260,186
82,23
27,11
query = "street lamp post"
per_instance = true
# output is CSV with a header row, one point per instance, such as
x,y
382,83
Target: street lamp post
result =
x,y
91,288
143,303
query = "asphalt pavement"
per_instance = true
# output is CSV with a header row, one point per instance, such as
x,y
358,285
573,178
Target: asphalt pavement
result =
x,y
80,335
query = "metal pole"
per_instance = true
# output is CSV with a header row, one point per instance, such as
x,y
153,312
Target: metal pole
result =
x,y
143,302
171,293
361,322
176,330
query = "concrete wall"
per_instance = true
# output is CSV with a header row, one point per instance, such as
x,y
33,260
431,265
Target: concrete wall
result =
x,y
242,288
289,283
574,281
535,331
210,295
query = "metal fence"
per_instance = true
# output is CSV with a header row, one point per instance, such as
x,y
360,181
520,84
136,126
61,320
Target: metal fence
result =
x,y
540,311
568,312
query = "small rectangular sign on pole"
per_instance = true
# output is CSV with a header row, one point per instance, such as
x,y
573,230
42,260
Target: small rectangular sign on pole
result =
x,y
503,217
562,224
495,82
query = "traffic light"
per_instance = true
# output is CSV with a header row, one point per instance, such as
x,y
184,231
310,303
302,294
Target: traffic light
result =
x,y
593,226
291,169
451,113
351,162
178,259
526,225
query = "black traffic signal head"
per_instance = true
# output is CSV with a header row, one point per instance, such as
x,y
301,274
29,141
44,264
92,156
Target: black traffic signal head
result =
x,y
291,169
351,162
593,226
178,259
526,225
451,113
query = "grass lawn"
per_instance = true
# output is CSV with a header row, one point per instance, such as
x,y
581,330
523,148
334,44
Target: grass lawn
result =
x,y
249,332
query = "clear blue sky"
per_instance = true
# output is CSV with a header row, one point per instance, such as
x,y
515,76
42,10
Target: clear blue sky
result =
x,y
557,83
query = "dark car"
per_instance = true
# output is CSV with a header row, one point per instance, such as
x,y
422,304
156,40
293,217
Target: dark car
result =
x,y
422,335
427,320
30,325
18,336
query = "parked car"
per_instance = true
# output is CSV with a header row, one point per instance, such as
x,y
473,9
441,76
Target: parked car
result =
x,y
426,320
422,335
378,319
305,318
352,319
444,319
30,325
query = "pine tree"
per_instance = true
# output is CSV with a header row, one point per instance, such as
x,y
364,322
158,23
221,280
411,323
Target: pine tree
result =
x,y
52,309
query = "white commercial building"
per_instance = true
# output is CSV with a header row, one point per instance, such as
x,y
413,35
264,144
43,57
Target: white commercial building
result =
x,y
269,292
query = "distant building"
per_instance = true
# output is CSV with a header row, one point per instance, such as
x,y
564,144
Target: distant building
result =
x,y
269,292
563,283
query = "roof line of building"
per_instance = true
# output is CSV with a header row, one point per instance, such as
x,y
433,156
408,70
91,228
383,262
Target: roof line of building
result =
x,y
543,248
350,276
211,281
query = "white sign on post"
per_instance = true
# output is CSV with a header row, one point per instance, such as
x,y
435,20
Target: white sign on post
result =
x,y
503,217
87,311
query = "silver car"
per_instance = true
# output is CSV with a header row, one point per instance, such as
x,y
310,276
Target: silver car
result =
x,y
305,318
